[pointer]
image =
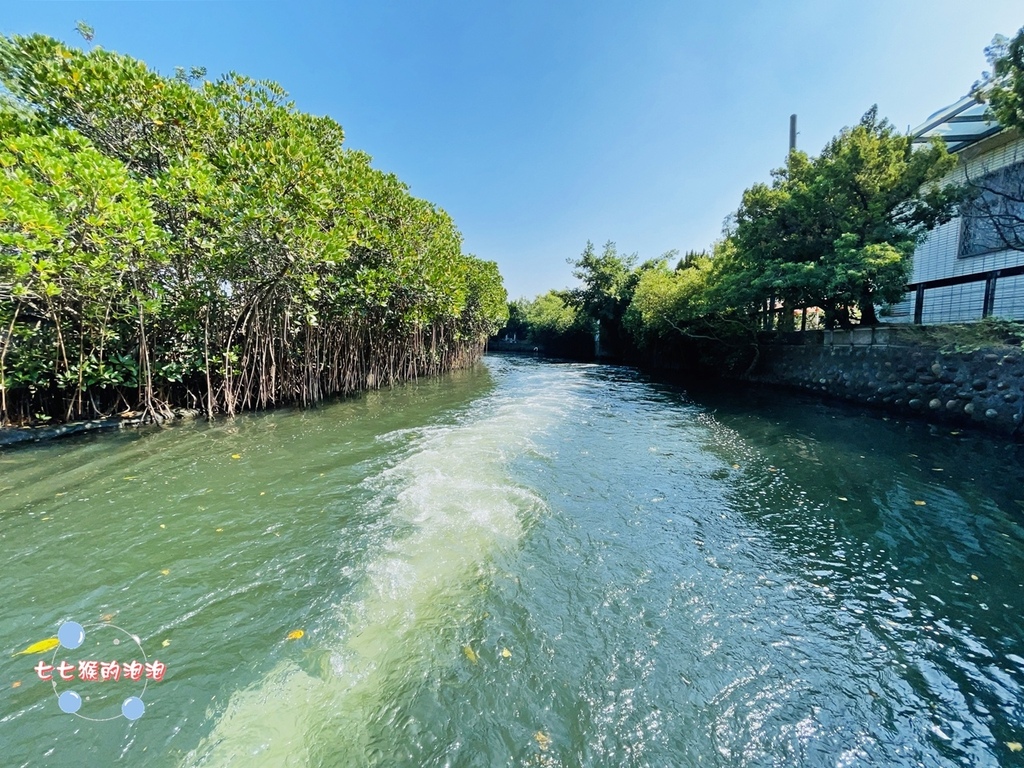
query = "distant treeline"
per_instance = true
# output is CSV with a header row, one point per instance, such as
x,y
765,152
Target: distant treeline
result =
x,y
834,233
172,241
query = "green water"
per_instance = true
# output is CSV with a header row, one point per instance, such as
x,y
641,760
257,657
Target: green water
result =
x,y
524,564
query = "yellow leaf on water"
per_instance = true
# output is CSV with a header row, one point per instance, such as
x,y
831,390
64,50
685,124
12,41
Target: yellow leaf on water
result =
x,y
263,493
1015,746
542,739
41,647
220,530
162,525
295,634
974,577
735,466
506,653
165,643
470,654
16,684
919,503
236,455
108,617
166,571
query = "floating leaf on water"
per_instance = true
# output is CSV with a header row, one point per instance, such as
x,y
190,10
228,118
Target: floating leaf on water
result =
x,y
773,469
263,493
1015,746
735,466
166,571
919,503
41,647
842,498
165,643
542,739
236,455
506,653
162,525
16,684
470,654
219,530
108,617
295,634
974,577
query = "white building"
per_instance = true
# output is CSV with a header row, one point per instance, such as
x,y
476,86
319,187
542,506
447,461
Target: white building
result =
x,y
965,270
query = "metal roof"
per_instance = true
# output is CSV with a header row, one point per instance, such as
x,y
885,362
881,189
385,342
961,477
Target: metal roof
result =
x,y
959,125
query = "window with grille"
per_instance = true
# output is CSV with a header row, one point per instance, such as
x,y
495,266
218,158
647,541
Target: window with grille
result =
x,y
993,218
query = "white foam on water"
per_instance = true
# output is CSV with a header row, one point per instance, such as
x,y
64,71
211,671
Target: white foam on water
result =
x,y
451,494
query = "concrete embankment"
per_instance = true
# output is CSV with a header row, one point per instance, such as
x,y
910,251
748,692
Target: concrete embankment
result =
x,y
883,367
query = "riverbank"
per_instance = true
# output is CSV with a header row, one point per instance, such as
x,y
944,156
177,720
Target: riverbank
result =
x,y
15,435
963,375
890,368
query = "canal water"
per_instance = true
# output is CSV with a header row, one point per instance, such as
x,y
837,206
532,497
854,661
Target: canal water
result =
x,y
523,564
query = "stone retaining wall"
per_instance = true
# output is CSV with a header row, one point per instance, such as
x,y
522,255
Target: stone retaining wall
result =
x,y
983,388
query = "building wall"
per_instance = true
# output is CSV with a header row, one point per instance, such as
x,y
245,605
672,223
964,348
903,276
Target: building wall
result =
x,y
937,256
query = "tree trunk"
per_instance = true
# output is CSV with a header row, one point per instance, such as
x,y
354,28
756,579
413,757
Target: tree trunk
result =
x,y
867,310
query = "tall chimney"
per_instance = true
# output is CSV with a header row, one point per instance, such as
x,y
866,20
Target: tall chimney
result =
x,y
792,132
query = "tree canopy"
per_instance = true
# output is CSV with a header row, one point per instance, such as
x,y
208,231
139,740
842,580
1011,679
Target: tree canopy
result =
x,y
835,232
1003,85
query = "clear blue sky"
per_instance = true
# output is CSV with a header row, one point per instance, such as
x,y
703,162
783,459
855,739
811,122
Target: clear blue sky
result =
x,y
540,125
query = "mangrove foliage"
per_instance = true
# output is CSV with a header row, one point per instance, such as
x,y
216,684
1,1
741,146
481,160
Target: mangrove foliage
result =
x,y
180,242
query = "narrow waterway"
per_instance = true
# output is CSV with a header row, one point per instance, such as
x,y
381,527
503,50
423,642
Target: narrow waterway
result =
x,y
524,564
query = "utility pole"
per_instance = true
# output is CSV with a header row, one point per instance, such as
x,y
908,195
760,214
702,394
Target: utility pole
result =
x,y
792,132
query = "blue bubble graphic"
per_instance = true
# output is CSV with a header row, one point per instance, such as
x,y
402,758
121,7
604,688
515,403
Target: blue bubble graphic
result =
x,y
69,702
133,708
71,635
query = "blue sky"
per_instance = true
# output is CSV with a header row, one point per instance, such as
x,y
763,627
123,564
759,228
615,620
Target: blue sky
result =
x,y
540,125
